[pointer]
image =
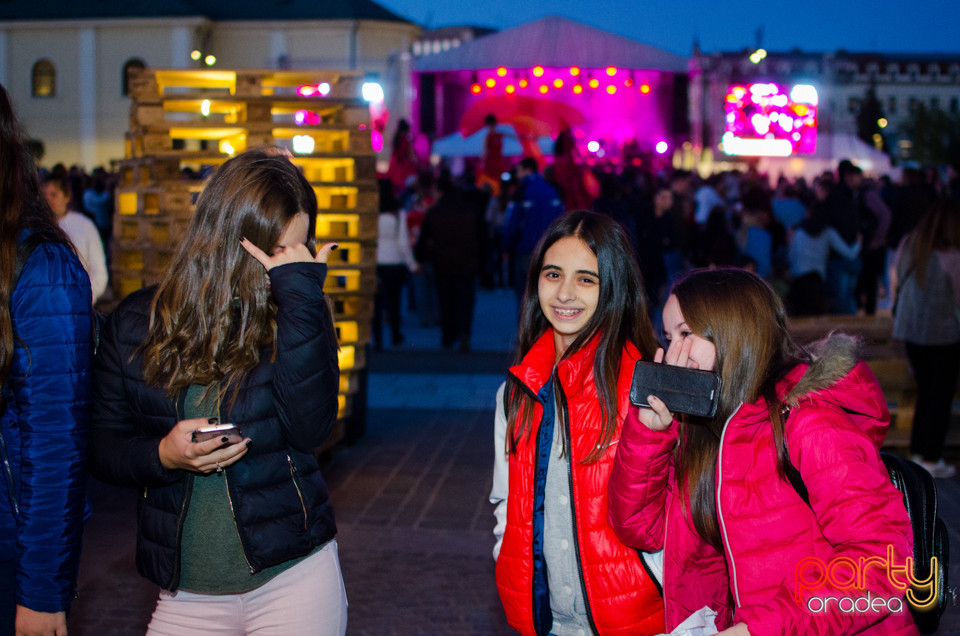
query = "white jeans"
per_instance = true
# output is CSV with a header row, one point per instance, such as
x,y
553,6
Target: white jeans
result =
x,y
309,598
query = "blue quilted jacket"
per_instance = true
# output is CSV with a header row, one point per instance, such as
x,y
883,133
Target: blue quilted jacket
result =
x,y
44,428
287,406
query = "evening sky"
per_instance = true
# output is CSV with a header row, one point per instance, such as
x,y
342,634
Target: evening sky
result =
x,y
924,26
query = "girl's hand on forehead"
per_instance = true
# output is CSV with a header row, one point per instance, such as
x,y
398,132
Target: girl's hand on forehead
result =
x,y
297,253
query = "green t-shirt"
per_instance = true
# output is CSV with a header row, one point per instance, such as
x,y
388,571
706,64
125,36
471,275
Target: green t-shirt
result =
x,y
211,555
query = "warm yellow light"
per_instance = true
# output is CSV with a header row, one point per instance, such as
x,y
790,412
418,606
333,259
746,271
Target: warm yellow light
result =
x,y
537,71
611,90
558,83
491,82
882,122
611,70
205,107
574,70
544,89
227,148
524,83
644,88
577,88
510,89
502,71
210,60
195,55
594,83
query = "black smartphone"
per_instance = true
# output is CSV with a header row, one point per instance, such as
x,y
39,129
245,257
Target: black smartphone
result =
x,y
683,390
230,431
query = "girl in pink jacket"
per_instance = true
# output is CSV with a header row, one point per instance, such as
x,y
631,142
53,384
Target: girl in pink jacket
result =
x,y
720,496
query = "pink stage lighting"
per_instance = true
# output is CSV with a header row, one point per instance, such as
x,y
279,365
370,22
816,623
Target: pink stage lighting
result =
x,y
770,120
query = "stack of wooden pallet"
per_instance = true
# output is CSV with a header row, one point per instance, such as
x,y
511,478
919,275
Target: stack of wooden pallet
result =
x,y
186,123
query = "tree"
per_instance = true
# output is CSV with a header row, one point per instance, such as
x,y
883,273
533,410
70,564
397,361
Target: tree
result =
x,y
934,135
868,118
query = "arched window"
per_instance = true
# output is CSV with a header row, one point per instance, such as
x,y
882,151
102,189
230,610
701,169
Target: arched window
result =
x,y
132,63
44,79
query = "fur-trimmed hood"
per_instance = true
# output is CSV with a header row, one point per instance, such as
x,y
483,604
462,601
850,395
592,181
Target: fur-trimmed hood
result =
x,y
835,376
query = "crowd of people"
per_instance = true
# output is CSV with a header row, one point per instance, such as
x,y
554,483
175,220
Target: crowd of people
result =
x,y
209,392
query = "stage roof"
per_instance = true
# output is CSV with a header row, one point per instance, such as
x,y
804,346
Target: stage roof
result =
x,y
552,41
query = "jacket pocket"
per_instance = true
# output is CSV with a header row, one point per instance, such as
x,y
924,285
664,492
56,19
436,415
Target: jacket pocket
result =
x,y
296,484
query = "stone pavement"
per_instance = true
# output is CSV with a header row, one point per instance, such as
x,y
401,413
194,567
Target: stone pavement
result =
x,y
410,499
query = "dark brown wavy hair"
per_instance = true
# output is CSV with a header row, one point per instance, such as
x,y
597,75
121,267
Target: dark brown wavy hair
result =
x,y
746,321
22,207
621,316
212,311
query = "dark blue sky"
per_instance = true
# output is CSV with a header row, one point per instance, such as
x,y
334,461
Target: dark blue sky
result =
x,y
919,26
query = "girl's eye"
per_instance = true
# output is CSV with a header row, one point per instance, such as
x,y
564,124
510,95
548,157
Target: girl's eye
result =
x,y
685,334
587,281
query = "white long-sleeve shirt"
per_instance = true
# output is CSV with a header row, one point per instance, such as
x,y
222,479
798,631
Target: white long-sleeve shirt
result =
x,y
86,239
393,240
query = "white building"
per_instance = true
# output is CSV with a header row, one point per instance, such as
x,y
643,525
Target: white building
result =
x,y
63,62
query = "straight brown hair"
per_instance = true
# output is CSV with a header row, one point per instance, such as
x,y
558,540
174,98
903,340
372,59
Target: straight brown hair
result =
x,y
746,321
937,229
212,311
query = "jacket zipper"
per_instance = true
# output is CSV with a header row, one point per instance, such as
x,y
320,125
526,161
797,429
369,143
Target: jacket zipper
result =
x,y
565,423
187,491
13,488
536,466
293,477
723,526
233,514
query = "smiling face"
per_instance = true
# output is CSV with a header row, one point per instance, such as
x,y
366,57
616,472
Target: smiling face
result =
x,y
703,353
568,289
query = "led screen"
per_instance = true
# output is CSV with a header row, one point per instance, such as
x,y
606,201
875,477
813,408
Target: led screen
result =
x,y
770,120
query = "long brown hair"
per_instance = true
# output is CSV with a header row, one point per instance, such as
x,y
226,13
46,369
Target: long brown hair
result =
x,y
938,229
22,207
746,321
621,315
212,311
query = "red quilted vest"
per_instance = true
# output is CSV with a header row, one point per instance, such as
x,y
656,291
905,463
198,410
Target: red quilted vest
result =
x,y
621,598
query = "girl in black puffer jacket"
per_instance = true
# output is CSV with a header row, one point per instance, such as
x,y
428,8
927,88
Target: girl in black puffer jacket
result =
x,y
237,530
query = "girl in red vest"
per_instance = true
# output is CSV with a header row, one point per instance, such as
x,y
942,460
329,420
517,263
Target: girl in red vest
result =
x,y
560,568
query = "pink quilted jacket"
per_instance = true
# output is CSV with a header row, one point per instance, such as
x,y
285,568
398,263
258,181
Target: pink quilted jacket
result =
x,y
770,535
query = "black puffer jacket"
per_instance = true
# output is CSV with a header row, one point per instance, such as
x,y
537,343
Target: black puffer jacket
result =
x,y
287,407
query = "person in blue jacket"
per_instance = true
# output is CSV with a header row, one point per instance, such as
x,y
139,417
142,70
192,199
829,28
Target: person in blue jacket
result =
x,y
45,368
535,206
237,530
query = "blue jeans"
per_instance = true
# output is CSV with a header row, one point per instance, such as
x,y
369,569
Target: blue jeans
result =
x,y
842,274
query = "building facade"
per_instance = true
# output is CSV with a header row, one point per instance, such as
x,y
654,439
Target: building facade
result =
x,y
64,64
901,83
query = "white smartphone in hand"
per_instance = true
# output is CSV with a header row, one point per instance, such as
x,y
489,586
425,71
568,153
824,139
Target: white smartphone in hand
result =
x,y
230,431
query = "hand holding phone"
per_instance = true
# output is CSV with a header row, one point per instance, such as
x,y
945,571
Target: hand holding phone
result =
x,y
682,390
180,449
229,431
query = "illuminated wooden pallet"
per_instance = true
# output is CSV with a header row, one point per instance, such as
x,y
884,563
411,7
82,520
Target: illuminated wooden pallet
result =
x,y
225,140
188,122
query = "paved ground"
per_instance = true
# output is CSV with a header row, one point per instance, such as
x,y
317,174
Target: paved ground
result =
x,y
410,497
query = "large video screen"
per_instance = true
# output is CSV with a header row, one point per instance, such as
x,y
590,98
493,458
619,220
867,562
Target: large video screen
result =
x,y
770,120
